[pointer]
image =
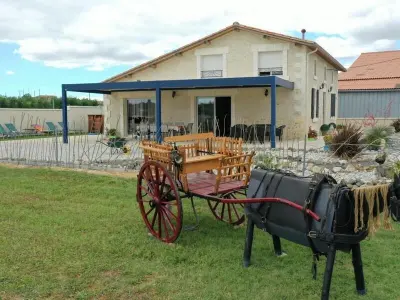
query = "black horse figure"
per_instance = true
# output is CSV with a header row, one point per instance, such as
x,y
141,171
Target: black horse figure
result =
x,y
346,216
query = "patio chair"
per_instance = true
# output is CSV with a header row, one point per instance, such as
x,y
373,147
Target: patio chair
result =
x,y
3,132
239,131
52,127
13,130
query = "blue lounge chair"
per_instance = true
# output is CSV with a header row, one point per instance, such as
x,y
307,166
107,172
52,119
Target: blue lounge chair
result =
x,y
13,131
52,127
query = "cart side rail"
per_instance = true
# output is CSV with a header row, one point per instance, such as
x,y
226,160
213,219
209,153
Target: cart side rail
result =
x,y
234,168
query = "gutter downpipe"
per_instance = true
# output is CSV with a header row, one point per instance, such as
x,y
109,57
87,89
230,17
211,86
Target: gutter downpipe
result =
x,y
305,102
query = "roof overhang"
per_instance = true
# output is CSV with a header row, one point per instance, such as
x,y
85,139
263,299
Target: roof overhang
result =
x,y
209,83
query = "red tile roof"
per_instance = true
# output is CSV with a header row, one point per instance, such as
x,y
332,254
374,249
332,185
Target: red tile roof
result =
x,y
372,71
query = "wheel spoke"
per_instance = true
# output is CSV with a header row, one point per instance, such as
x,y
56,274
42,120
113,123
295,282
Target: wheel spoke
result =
x,y
215,206
234,208
163,223
159,224
222,211
150,211
163,184
154,218
229,213
168,219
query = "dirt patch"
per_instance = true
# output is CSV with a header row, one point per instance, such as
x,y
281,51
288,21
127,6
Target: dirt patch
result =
x,y
122,174
112,273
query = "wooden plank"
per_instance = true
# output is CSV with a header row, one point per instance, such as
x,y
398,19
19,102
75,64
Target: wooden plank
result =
x,y
188,137
201,163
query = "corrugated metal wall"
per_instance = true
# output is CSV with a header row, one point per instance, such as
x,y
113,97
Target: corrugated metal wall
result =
x,y
380,104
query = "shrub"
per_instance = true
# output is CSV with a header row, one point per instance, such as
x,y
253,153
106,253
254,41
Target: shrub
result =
x,y
340,126
266,161
375,135
324,128
333,125
112,132
396,125
346,143
312,133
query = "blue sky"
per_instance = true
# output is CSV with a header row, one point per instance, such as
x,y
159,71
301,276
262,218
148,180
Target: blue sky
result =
x,y
45,43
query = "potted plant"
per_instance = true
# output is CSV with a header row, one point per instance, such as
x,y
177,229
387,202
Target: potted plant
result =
x,y
324,129
396,125
112,133
328,141
114,140
312,134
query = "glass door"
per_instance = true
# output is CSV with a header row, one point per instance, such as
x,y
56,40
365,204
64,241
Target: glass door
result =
x,y
205,114
140,111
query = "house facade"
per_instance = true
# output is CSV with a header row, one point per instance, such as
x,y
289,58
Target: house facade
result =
x,y
369,93
235,51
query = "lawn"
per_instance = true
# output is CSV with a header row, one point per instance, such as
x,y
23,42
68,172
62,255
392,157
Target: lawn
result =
x,y
72,235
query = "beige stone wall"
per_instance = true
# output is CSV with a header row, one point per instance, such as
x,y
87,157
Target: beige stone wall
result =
x,y
249,106
24,118
316,82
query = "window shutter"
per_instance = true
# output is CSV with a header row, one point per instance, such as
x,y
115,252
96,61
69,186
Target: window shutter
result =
x,y
333,105
270,59
317,109
211,62
312,103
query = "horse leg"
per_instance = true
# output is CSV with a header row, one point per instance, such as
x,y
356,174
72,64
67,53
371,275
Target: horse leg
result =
x,y
358,269
277,245
248,243
330,261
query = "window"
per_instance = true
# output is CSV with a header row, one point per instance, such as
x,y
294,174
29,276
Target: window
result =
x,y
270,63
312,103
315,67
211,66
325,73
317,108
333,105
140,111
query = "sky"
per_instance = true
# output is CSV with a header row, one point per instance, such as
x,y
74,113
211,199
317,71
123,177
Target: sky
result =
x,y
44,43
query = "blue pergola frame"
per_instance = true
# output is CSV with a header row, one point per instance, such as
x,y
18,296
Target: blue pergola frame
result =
x,y
188,84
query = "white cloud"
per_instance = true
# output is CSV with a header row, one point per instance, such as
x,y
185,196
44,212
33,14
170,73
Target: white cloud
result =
x,y
10,73
97,34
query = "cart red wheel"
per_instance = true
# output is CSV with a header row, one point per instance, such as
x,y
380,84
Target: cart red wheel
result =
x,y
228,212
159,202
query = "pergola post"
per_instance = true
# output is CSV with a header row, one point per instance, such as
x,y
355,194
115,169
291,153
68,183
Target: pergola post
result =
x,y
158,115
64,114
273,112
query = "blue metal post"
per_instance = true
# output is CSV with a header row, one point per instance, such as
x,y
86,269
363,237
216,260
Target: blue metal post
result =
x,y
158,114
64,114
273,112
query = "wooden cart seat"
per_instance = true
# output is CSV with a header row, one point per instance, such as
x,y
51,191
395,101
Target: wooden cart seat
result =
x,y
204,184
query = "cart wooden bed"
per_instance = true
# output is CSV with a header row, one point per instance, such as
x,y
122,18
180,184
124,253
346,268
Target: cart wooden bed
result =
x,y
212,168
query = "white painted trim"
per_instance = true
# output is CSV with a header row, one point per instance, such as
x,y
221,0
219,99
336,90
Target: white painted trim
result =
x,y
256,48
212,51
315,120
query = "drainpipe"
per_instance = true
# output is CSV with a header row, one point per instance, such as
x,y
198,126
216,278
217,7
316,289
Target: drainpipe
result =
x,y
305,102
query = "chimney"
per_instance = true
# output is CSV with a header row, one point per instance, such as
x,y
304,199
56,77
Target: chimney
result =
x,y
303,32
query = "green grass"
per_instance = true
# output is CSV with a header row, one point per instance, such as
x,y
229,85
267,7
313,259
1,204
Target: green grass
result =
x,y
71,235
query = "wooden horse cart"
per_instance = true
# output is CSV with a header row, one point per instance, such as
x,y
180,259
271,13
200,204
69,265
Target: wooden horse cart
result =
x,y
215,169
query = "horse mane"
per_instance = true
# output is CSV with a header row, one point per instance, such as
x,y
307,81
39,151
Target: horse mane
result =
x,y
370,195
